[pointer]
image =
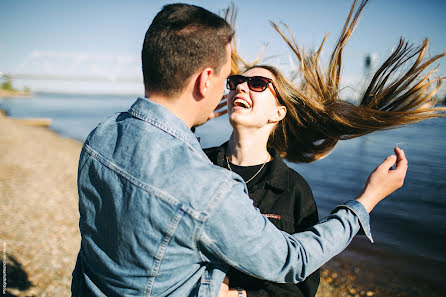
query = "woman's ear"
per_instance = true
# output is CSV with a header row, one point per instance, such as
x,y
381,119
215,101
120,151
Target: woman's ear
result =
x,y
278,114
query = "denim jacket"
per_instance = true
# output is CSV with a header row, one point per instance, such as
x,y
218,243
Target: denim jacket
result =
x,y
157,218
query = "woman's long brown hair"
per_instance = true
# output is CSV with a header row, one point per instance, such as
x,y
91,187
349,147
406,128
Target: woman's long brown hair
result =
x,y
399,93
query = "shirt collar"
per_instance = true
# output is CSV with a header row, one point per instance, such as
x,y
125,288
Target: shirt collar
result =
x,y
276,177
159,116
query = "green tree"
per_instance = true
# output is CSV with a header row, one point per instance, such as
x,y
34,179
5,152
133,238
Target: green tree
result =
x,y
7,85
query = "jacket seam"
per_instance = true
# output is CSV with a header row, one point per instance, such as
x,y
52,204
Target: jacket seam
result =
x,y
162,251
212,205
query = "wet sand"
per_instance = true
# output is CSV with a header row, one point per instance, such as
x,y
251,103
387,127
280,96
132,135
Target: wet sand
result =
x,y
39,216
372,267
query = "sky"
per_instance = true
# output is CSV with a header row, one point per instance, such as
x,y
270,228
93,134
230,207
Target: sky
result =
x,y
105,37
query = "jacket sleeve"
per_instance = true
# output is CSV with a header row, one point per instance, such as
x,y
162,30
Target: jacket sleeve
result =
x,y
238,234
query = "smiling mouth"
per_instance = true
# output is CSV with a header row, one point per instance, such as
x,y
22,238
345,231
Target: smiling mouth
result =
x,y
241,103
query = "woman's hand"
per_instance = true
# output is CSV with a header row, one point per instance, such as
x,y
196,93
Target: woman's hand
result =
x,y
222,104
224,289
226,292
384,180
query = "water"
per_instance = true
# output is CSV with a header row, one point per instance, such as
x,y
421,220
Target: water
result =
x,y
408,227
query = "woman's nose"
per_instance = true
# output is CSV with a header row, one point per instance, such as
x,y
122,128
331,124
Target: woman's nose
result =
x,y
243,87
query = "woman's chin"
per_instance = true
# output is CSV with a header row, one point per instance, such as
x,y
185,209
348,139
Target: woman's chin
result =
x,y
239,120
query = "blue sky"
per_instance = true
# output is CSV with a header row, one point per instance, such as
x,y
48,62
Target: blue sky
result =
x,y
116,28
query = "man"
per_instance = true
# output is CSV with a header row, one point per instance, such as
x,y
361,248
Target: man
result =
x,y
156,217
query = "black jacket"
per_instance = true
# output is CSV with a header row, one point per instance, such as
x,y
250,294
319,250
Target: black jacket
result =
x,y
287,200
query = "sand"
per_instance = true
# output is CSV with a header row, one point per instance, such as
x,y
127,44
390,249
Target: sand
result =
x,y
10,93
38,211
39,217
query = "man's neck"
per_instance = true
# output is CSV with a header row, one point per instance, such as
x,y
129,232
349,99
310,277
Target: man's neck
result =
x,y
248,147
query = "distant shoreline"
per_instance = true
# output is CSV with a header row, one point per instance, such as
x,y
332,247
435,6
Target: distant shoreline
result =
x,y
9,93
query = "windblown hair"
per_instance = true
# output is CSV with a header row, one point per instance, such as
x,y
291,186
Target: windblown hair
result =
x,y
182,39
398,94
238,64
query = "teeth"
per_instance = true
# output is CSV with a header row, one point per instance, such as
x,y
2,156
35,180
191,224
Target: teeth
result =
x,y
242,103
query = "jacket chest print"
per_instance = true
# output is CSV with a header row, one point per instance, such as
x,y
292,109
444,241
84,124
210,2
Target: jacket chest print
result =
x,y
272,216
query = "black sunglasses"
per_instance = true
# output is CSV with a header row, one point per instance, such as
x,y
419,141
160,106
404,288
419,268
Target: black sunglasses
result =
x,y
255,83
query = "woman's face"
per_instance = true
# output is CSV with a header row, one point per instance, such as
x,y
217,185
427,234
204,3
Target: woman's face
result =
x,y
249,108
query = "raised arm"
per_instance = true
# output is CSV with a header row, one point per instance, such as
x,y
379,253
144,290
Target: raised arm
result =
x,y
240,236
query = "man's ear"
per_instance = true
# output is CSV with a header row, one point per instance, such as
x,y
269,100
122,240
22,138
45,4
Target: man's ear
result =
x,y
278,114
204,82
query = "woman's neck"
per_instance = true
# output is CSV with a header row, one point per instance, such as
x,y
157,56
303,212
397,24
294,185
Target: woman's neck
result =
x,y
248,148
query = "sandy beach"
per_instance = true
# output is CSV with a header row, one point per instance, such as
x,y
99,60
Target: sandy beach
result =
x,y
39,235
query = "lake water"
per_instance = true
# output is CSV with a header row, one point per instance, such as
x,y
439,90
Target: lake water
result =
x,y
409,227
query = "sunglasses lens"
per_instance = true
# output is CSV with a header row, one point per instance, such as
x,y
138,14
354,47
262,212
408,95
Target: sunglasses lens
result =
x,y
233,81
258,84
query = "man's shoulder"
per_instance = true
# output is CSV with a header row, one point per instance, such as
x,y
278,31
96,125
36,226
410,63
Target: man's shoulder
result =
x,y
160,161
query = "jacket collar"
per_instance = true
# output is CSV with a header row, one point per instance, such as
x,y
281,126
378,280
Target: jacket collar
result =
x,y
276,177
159,116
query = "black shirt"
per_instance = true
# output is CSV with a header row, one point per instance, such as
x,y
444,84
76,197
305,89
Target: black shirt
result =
x,y
282,195
252,174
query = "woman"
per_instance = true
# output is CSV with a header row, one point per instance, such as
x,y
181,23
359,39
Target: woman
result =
x,y
272,118
279,192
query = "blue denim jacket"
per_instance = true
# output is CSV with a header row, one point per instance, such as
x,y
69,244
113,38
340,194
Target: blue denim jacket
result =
x,y
157,218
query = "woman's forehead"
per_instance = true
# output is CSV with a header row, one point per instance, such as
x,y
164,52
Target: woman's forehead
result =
x,y
259,72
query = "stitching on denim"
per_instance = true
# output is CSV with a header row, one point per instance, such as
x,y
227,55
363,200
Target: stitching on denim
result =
x,y
162,251
205,279
157,123
211,206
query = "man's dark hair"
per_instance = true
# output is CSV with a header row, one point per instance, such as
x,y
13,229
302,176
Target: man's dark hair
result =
x,y
182,40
